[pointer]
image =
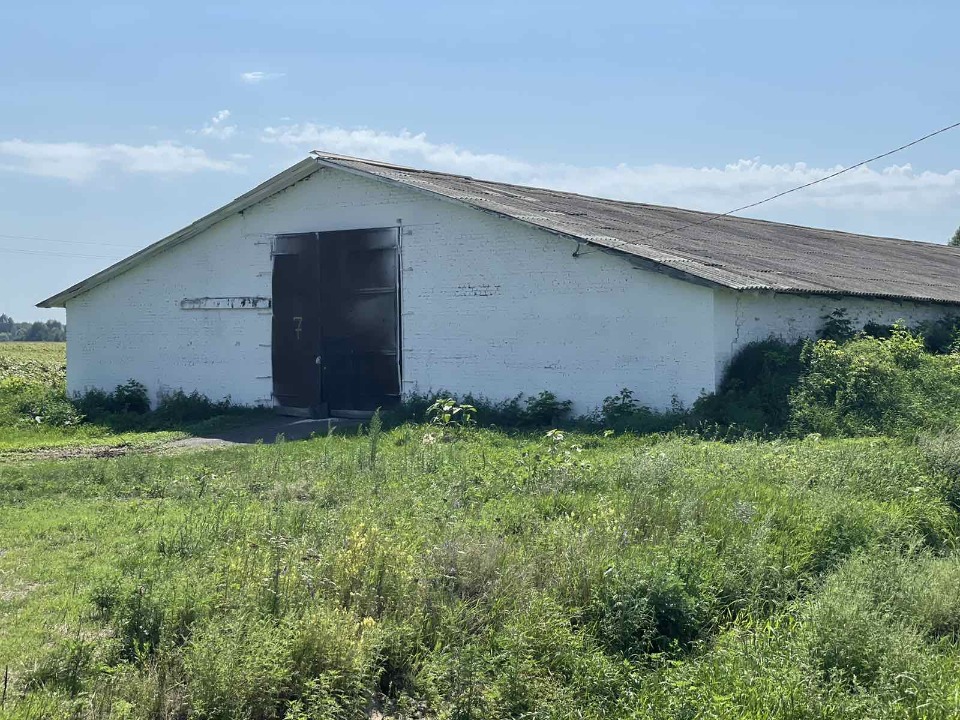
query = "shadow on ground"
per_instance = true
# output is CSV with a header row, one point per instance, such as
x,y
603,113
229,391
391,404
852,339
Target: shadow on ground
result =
x,y
262,428
265,430
268,429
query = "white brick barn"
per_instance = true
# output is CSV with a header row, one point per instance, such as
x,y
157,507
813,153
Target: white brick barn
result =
x,y
341,284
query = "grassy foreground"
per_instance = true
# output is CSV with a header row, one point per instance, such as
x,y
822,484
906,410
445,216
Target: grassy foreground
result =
x,y
483,576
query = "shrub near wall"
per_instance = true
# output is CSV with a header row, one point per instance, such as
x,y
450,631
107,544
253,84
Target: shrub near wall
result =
x,y
754,393
872,386
864,385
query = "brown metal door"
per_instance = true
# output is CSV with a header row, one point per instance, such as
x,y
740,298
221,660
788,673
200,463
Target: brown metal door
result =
x,y
296,324
359,319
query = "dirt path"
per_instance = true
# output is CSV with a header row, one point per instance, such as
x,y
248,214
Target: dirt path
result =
x,y
267,432
67,453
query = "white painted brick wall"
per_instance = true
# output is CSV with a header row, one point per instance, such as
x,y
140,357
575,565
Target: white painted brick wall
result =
x,y
133,327
488,306
742,318
503,309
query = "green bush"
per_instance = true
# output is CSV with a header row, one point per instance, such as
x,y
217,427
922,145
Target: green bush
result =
x,y
873,386
890,381
624,413
32,392
518,412
318,665
127,407
129,398
940,336
647,607
179,407
755,389
22,401
836,326
537,664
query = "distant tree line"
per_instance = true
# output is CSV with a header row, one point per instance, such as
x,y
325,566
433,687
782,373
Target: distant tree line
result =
x,y
38,331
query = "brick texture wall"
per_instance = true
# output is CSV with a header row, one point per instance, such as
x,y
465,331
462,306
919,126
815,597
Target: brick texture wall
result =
x,y
489,306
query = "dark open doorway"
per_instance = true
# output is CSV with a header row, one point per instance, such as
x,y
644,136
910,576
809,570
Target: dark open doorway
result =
x,y
336,322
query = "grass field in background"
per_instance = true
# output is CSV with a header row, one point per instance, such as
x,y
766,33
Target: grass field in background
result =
x,y
36,372
48,353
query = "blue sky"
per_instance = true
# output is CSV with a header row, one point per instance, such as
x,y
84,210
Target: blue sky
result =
x,y
121,123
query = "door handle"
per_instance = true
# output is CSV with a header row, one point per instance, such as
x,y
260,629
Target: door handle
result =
x,y
319,360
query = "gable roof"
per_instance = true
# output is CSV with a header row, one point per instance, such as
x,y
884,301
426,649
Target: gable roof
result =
x,y
279,182
732,252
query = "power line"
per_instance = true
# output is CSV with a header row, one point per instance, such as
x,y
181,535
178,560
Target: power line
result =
x,y
801,187
643,239
66,242
54,253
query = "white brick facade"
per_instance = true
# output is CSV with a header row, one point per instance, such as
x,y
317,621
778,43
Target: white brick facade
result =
x,y
488,305
742,318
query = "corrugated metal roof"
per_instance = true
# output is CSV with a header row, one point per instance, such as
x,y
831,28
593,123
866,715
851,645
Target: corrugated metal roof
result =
x,y
731,252
738,253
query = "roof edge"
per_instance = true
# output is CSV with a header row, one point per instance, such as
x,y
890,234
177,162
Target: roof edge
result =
x,y
614,246
281,181
630,250
323,155
319,159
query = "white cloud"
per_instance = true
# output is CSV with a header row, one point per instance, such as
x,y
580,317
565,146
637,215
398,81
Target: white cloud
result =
x,y
216,127
402,147
79,161
896,187
258,76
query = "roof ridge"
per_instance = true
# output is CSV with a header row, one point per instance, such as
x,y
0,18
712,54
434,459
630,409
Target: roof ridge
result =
x,y
631,203
740,253
323,155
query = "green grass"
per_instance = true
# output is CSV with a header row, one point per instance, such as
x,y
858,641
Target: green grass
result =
x,y
486,576
50,353
35,415
20,441
459,573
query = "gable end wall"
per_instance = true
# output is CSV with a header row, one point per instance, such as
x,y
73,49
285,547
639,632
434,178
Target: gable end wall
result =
x,y
489,306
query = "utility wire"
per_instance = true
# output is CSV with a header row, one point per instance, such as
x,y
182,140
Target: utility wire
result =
x,y
54,253
643,239
800,187
66,242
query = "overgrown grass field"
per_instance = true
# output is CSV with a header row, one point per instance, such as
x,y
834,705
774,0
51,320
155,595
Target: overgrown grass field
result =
x,y
484,575
47,353
447,571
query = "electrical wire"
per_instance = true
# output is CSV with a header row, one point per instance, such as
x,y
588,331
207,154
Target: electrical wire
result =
x,y
54,253
801,187
66,242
